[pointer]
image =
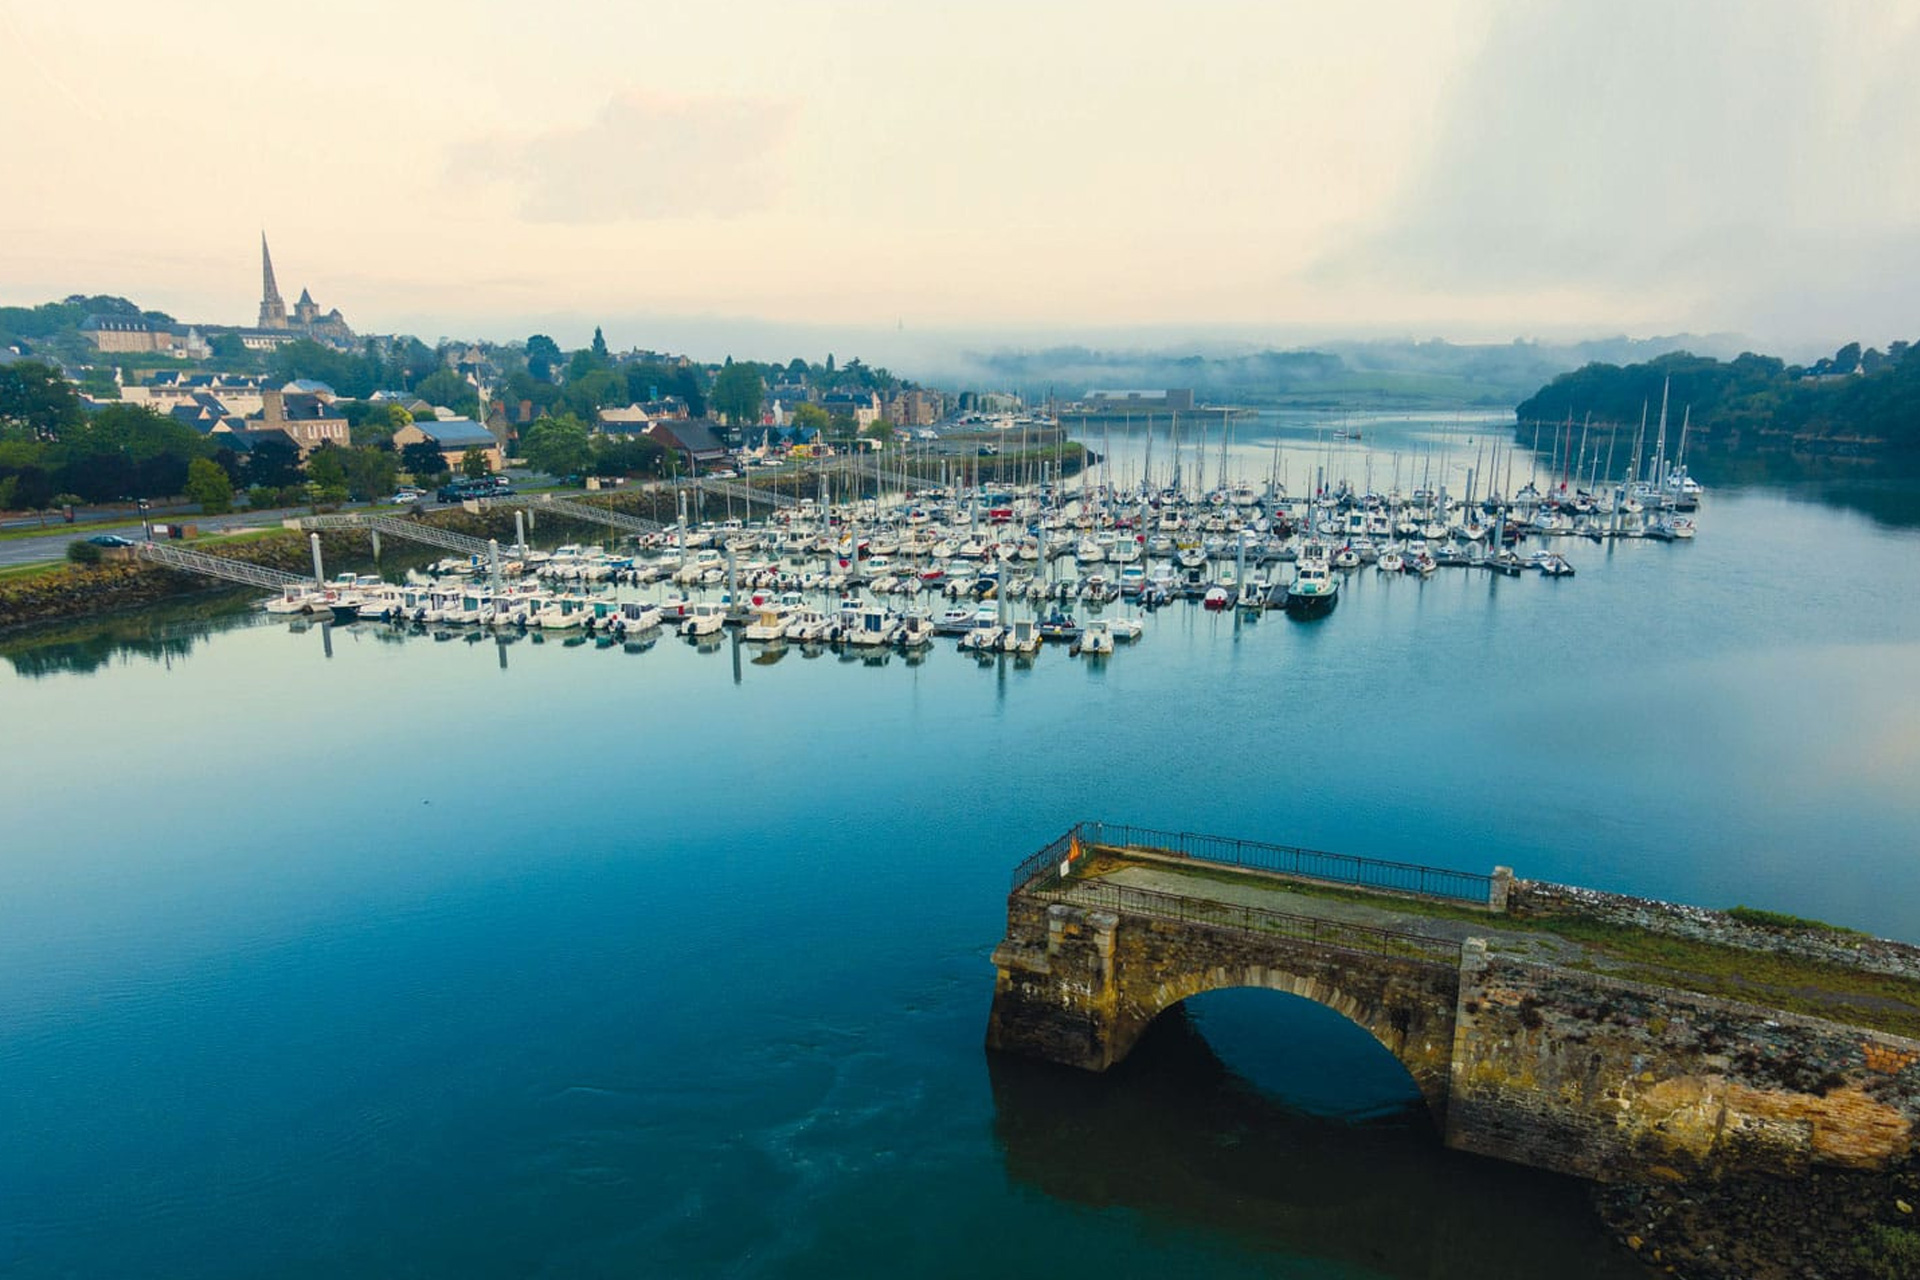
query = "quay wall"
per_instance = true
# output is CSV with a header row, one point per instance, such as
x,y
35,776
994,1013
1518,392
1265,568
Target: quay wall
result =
x,y
1534,898
1626,1082
73,591
119,582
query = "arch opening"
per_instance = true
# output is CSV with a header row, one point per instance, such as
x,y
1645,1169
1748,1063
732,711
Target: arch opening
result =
x,y
1329,1029
1305,1056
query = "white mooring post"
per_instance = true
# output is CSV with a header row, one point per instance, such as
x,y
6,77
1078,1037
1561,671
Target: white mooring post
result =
x,y
319,569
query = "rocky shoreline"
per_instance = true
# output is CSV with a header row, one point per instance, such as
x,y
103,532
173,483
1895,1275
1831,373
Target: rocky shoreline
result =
x,y
72,591
1829,1224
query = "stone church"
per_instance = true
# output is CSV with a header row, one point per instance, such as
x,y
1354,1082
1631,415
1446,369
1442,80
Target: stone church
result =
x,y
306,320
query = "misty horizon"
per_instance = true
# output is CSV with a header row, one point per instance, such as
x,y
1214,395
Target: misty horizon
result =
x,y
795,178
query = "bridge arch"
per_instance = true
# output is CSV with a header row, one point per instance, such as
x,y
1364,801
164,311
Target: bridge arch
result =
x,y
1388,1016
1080,986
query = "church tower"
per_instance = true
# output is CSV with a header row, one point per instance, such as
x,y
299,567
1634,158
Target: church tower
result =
x,y
273,311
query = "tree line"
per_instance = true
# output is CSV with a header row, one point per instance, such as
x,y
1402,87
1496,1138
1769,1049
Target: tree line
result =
x,y
54,453
1864,397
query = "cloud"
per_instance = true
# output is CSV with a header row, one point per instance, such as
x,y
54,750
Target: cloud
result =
x,y
1728,163
645,156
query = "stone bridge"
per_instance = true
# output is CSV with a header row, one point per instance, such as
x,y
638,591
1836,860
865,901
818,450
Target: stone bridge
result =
x,y
1607,1037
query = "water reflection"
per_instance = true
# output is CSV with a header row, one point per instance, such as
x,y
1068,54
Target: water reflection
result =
x,y
161,634
1174,1134
1886,490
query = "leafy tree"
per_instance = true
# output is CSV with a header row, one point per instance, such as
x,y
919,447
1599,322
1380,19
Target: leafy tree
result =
x,y
614,456
423,458
100,384
327,468
347,373
812,417
738,392
879,429
558,446
26,488
651,379
372,422
126,451
583,363
474,465
36,397
411,361
1752,393
543,353
371,470
523,385
448,388
209,485
273,464
584,395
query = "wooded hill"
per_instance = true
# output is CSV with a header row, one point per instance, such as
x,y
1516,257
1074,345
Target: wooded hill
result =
x,y
1856,401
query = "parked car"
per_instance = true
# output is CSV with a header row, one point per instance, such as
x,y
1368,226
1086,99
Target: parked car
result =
x,y
110,540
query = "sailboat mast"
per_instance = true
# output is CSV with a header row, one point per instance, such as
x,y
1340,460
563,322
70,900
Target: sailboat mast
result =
x,y
1660,448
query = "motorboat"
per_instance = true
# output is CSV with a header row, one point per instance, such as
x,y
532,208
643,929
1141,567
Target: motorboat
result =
x,y
704,620
1096,640
1314,588
1021,637
769,624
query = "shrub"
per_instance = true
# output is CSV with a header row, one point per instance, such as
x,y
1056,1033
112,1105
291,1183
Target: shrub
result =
x,y
1780,922
81,551
1889,1253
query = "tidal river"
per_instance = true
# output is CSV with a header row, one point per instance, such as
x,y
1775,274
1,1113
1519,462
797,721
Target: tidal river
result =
x,y
433,959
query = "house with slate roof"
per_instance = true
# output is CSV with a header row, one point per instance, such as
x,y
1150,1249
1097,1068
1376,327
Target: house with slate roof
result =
x,y
453,437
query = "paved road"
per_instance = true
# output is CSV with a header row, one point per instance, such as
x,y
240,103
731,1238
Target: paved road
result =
x,y
53,544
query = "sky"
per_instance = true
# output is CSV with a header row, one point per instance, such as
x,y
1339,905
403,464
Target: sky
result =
x,y
771,177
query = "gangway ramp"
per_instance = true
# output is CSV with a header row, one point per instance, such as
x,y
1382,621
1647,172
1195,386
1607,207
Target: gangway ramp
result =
x,y
747,493
253,575
412,529
582,511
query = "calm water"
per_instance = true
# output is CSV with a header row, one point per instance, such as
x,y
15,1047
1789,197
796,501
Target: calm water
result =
x,y
397,962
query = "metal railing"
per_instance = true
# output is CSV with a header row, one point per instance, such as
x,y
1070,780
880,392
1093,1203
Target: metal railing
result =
x,y
1046,862
1279,925
398,528
1278,859
747,492
580,509
252,575
1308,864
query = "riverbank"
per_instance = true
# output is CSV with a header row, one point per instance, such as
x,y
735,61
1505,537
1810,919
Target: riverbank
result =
x,y
1830,1224
65,592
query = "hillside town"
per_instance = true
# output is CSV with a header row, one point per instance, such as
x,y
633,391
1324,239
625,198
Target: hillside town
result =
x,y
298,405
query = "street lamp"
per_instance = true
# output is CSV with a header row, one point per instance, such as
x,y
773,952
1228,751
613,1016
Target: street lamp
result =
x,y
144,524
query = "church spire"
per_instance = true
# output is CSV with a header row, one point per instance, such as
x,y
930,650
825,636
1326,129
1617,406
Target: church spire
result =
x,y
273,311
